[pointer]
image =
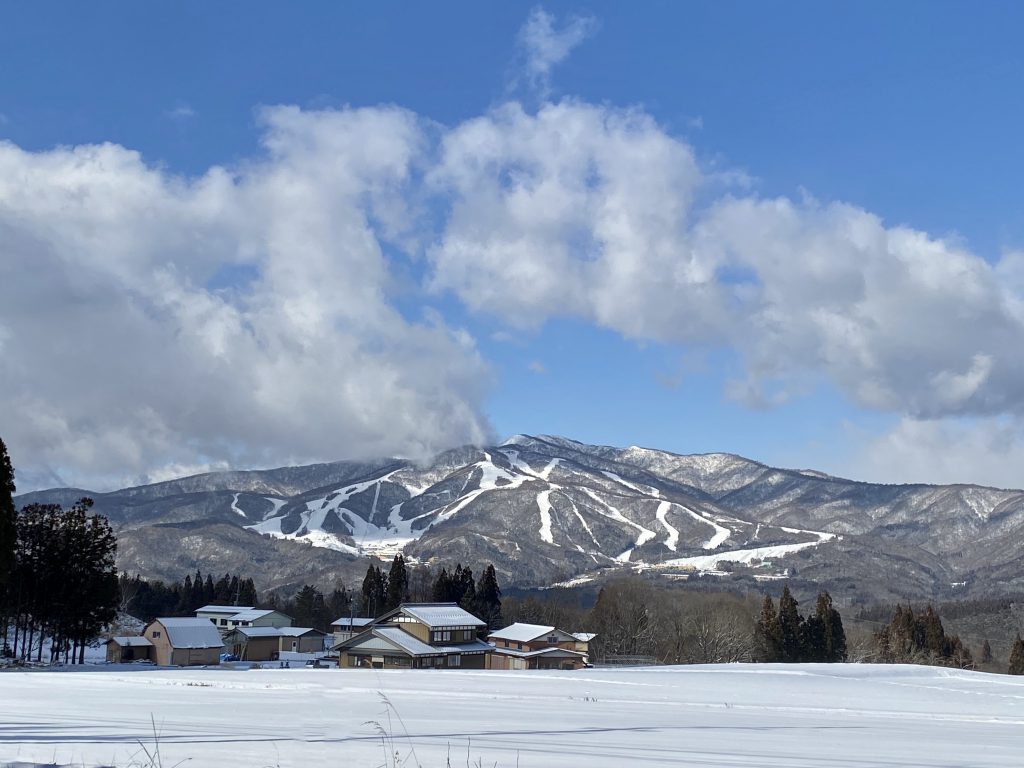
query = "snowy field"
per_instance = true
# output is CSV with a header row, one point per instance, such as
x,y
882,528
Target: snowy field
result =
x,y
843,716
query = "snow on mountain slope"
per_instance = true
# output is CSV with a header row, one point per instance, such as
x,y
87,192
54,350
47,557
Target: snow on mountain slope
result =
x,y
548,509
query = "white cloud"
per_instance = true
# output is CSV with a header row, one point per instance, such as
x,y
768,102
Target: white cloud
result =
x,y
181,112
593,212
981,451
544,45
120,360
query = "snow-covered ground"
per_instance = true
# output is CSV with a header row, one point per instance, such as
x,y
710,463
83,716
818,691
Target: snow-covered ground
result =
x,y
847,716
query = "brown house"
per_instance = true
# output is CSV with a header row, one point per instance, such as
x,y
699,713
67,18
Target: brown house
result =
x,y
184,642
418,636
534,646
267,643
122,649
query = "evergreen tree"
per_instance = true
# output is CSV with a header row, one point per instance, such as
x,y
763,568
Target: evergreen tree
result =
x,y
1016,657
310,609
374,592
833,648
8,525
398,584
986,653
790,628
488,599
466,589
768,633
184,606
443,591
339,603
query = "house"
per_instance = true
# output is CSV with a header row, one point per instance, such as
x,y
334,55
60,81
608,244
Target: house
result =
x,y
418,635
267,643
228,617
348,627
184,642
534,646
121,649
583,643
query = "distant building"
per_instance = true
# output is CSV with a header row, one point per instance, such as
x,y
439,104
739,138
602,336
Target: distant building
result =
x,y
535,646
348,627
122,649
184,642
229,617
267,643
418,636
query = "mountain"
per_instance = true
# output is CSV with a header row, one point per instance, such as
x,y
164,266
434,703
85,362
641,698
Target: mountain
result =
x,y
549,510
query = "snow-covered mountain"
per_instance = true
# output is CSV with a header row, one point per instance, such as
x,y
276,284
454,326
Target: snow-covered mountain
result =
x,y
549,510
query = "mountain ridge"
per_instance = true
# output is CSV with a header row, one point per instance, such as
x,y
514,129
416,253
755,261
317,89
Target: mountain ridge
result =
x,y
547,509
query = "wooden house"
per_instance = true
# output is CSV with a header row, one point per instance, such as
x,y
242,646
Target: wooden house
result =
x,y
534,646
184,642
267,643
418,636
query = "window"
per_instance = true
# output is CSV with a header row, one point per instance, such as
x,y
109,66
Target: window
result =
x,y
223,622
454,661
442,637
156,635
553,639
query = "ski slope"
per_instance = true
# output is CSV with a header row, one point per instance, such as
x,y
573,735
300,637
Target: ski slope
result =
x,y
735,716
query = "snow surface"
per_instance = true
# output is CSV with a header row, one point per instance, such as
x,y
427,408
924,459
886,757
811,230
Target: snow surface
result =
x,y
737,716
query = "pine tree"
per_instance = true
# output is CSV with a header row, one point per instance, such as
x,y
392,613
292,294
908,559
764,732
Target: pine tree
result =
x,y
8,525
488,599
986,653
790,628
443,591
1017,657
374,592
398,584
833,648
768,633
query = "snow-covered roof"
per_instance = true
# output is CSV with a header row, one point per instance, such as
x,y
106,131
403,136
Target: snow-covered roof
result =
x,y
191,633
276,631
226,610
520,632
355,621
561,653
135,641
441,615
584,637
252,614
406,642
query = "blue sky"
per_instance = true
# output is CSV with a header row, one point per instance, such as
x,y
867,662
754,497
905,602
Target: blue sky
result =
x,y
909,114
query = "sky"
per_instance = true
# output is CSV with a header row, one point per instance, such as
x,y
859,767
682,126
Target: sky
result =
x,y
254,234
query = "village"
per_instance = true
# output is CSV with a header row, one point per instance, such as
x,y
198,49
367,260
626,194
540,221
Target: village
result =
x,y
411,636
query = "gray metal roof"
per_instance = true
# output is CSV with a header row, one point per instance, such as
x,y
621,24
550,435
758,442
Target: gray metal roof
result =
x,y
584,637
224,609
355,621
436,615
252,614
135,641
413,645
192,633
276,631
521,633
560,653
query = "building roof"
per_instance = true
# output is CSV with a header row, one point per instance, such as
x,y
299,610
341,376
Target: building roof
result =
x,y
135,641
227,610
584,637
521,633
252,614
354,621
413,645
276,631
191,633
561,653
436,615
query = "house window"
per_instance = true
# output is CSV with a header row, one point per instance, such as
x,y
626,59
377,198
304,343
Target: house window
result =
x,y
443,637
156,635
223,622
454,661
552,639
519,646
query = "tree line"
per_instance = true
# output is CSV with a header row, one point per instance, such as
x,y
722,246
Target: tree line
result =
x,y
147,600
58,579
